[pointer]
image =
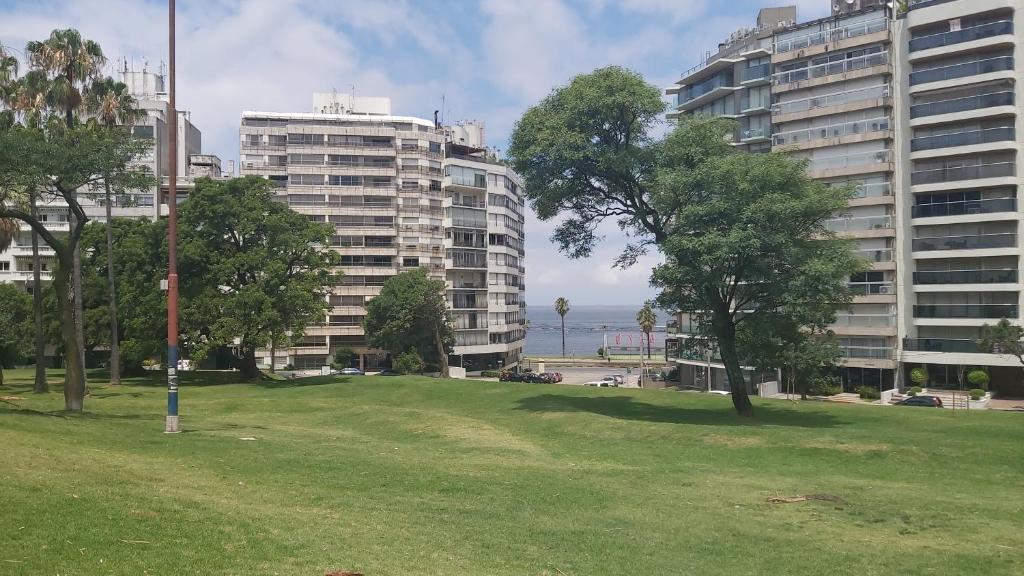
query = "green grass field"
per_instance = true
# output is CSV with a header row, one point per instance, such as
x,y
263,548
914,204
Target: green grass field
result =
x,y
415,476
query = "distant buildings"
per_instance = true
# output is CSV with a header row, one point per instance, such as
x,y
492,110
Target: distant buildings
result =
x,y
148,89
918,111
402,193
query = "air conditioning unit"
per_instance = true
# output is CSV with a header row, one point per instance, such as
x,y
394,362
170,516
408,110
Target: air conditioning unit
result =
x,y
884,289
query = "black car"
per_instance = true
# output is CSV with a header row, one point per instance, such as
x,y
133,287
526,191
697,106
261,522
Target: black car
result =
x,y
930,401
388,372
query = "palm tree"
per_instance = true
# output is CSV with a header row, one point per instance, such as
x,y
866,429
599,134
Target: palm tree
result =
x,y
562,307
646,318
68,62
112,104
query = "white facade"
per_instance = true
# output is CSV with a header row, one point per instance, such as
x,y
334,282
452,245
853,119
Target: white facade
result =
x,y
398,199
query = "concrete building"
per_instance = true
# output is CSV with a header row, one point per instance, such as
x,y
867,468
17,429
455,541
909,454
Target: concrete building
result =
x,y
400,196
917,112
959,96
148,89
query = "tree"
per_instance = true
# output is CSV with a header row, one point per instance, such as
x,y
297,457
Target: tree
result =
x,y
251,269
978,379
140,260
587,153
409,362
646,319
52,162
61,68
15,326
562,308
112,104
410,313
343,357
1003,338
919,376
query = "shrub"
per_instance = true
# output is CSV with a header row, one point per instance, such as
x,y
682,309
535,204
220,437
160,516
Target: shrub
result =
x,y
343,357
824,385
978,379
409,362
600,352
977,393
289,366
491,373
919,376
915,391
868,393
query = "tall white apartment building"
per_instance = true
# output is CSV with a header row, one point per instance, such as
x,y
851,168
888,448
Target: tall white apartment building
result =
x,y
959,125
917,111
401,193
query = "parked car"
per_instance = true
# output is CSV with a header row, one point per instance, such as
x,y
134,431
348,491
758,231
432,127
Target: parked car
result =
x,y
351,372
720,392
930,401
606,382
388,372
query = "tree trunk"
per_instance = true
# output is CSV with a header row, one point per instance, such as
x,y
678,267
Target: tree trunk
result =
x,y
273,353
726,336
246,364
442,354
563,336
41,385
74,371
76,285
115,346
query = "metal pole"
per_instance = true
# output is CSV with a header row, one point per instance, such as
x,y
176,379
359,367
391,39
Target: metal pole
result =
x,y
172,242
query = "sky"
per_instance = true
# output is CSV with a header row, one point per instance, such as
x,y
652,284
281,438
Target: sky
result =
x,y
489,60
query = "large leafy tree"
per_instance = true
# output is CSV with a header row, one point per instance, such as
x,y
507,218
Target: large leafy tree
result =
x,y
410,313
1002,338
562,308
50,163
139,261
15,326
250,268
588,153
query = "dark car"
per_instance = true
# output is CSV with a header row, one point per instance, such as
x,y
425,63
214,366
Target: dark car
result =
x,y
930,401
388,372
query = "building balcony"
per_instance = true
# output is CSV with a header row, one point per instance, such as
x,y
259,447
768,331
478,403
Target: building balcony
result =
x,y
877,255
975,242
697,95
1000,134
965,69
831,68
755,135
830,100
961,208
833,131
864,320
872,352
940,345
971,172
978,32
858,223
930,277
760,74
831,35
965,311
871,288
846,161
966,104
917,4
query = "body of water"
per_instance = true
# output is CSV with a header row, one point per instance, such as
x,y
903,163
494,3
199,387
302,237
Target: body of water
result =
x,y
585,327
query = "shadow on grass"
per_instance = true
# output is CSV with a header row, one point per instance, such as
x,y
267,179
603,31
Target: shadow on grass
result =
x,y
626,408
309,381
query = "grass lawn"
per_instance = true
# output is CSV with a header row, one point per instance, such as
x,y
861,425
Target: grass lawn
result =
x,y
414,476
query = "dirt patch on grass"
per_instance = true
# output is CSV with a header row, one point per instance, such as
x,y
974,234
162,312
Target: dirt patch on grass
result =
x,y
849,448
733,441
475,433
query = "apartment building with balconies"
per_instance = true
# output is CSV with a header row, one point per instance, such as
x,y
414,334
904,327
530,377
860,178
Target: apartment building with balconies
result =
x,y
959,124
735,81
400,196
833,106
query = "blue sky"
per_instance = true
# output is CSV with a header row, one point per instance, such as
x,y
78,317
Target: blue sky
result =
x,y
490,59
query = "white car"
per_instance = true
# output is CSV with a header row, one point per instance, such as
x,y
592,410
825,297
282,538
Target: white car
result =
x,y
720,392
606,382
